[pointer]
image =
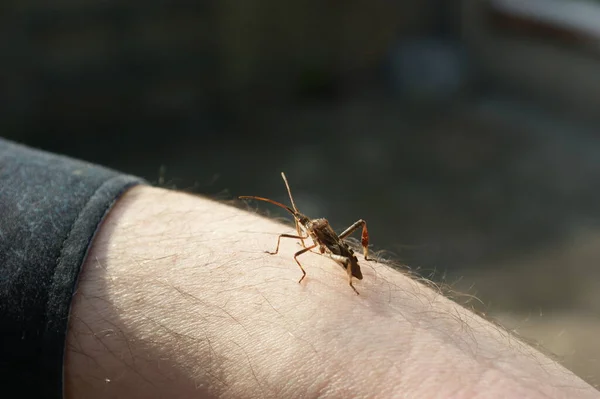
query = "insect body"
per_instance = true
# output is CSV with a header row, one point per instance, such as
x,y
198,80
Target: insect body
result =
x,y
323,237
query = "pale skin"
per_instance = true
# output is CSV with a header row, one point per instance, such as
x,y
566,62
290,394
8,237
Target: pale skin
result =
x,y
177,298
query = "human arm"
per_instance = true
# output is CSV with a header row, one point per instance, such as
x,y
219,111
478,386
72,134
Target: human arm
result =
x,y
50,208
177,298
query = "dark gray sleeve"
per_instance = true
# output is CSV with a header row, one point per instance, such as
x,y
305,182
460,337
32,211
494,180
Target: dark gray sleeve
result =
x,y
50,209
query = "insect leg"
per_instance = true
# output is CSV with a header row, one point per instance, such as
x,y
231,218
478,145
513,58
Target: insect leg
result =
x,y
364,239
299,233
345,261
285,236
349,270
298,262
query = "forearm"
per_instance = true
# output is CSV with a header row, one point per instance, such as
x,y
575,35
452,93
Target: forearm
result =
x,y
178,298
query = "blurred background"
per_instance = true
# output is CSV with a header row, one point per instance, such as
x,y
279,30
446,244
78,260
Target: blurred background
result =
x,y
466,133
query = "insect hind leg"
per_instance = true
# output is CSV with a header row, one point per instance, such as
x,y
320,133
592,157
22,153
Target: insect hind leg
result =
x,y
345,262
364,238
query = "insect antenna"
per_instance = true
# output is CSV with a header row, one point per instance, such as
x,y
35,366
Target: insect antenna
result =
x,y
279,204
289,191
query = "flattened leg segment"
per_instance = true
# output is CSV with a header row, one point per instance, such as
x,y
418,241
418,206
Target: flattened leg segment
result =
x,y
364,238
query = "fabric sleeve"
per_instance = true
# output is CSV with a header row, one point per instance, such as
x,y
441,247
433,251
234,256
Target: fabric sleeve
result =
x,y
50,209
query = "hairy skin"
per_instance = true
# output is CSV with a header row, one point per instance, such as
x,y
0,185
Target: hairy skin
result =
x,y
178,299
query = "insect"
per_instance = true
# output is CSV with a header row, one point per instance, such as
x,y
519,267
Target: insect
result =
x,y
323,237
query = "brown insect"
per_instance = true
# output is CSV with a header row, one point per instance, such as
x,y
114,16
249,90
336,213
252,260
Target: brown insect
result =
x,y
323,236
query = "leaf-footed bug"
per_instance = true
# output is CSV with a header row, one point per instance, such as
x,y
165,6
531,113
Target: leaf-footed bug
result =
x,y
323,236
